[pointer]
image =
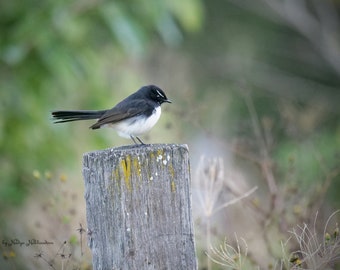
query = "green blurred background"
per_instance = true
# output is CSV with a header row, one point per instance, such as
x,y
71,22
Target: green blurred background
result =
x,y
255,83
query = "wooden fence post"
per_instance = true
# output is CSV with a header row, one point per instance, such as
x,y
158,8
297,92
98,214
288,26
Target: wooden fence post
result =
x,y
138,205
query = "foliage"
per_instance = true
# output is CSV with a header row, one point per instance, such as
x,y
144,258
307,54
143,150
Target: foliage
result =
x,y
52,236
278,124
314,251
58,54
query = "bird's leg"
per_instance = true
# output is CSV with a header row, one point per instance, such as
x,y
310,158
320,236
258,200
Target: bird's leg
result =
x,y
132,138
140,141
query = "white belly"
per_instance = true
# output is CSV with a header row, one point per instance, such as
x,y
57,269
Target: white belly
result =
x,y
137,127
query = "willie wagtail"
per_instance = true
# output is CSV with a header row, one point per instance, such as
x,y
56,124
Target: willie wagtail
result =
x,y
131,117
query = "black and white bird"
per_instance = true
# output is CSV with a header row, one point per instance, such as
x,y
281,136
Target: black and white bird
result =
x,y
131,117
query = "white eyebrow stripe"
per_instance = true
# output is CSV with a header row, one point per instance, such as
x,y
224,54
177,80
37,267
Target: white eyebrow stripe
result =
x,y
159,93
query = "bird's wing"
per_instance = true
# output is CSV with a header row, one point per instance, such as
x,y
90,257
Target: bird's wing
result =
x,y
122,111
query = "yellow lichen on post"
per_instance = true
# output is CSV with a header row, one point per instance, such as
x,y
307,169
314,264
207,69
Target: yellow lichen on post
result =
x,y
126,167
136,165
172,174
152,156
114,177
173,186
160,152
171,170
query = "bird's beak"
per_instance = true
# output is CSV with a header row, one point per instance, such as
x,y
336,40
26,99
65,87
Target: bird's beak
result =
x,y
168,101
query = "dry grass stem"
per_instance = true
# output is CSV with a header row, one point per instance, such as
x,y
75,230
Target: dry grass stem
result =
x,y
227,255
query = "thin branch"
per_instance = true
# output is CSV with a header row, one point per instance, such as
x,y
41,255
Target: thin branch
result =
x,y
235,200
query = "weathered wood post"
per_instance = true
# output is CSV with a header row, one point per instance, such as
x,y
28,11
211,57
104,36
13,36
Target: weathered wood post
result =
x,y
138,204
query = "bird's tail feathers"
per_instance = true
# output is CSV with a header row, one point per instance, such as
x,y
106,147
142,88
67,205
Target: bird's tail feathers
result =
x,y
69,116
